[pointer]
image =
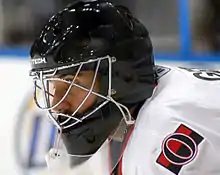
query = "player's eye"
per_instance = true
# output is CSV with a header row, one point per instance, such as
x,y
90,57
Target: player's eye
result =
x,y
68,79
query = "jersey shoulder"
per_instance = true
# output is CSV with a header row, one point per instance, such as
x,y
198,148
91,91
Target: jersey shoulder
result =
x,y
163,142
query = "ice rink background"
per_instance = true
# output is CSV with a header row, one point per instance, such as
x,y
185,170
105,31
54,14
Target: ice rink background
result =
x,y
25,135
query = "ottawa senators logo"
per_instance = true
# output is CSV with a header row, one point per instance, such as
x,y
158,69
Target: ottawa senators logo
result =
x,y
179,149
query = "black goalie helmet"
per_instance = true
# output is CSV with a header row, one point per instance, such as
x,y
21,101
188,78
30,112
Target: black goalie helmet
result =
x,y
107,41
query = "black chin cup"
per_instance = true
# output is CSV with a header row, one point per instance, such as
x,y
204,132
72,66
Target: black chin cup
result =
x,y
87,137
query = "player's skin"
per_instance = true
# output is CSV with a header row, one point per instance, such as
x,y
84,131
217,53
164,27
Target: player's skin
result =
x,y
76,94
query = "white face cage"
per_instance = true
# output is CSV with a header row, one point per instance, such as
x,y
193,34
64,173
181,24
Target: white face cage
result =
x,y
41,81
44,77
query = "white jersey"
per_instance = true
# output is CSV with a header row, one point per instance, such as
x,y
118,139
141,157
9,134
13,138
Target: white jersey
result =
x,y
177,131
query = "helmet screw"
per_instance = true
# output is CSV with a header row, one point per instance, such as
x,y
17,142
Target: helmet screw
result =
x,y
113,91
113,59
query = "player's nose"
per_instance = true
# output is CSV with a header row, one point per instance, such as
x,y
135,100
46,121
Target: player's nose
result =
x,y
60,106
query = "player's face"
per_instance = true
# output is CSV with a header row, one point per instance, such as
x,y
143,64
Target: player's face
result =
x,y
76,94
